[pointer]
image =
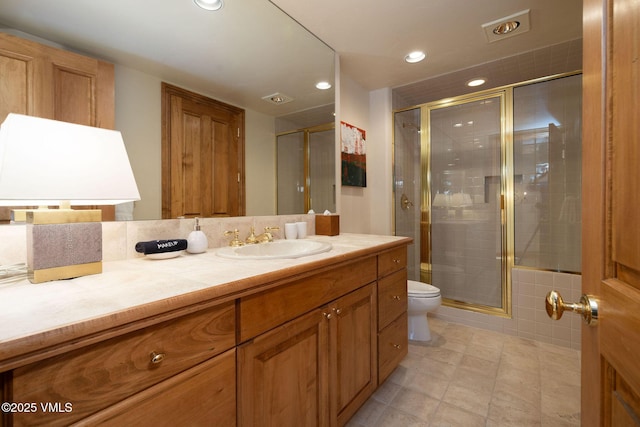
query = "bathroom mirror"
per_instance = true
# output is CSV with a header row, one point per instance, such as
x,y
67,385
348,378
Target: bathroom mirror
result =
x,y
249,54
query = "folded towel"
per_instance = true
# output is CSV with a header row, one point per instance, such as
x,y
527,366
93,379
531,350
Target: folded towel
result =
x,y
159,246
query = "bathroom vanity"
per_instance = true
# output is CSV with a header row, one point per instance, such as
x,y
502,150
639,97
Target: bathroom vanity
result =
x,y
203,340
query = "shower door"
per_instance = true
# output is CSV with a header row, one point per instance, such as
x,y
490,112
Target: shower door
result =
x,y
467,186
451,161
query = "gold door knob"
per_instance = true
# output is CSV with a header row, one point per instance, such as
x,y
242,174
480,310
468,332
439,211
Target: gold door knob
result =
x,y
587,307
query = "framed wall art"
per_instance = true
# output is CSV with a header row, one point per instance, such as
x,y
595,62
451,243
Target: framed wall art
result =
x,y
353,155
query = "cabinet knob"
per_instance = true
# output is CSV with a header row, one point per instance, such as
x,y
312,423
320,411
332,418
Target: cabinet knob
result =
x,y
327,315
337,310
396,297
157,358
397,346
396,261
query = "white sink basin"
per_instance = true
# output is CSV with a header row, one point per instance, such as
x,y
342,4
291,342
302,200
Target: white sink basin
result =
x,y
276,249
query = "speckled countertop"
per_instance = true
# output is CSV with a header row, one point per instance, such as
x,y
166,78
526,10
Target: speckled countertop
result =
x,y
34,316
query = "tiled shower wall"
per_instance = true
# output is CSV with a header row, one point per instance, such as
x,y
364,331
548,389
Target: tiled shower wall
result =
x,y
529,318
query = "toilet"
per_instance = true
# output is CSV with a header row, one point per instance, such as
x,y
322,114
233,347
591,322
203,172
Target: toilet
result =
x,y
422,298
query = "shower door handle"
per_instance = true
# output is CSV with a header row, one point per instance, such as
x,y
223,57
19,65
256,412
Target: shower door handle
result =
x,y
405,203
587,307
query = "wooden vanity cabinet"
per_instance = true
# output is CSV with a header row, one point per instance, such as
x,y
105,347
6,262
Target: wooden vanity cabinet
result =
x,y
393,339
94,378
316,369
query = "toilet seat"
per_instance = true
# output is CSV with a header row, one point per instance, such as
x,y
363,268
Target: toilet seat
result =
x,y
421,290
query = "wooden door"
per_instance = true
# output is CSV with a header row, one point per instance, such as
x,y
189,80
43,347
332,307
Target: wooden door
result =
x,y
202,156
283,375
611,215
353,355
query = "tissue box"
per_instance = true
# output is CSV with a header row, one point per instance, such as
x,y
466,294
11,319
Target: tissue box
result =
x,y
328,225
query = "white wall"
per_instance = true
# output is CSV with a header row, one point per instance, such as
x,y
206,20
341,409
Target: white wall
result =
x,y
138,117
368,209
355,202
380,162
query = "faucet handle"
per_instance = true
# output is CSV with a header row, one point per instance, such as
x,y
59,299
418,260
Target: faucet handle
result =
x,y
235,241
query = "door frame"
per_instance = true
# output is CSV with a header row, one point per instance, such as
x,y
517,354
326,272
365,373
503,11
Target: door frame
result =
x,y
167,92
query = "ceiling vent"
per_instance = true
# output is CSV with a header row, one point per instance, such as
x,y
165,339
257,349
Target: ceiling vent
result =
x,y
509,26
277,98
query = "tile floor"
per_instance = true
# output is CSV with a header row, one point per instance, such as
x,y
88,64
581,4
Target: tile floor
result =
x,y
473,377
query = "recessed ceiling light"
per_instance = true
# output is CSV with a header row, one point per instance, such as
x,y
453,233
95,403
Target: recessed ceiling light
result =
x,y
415,56
323,85
476,82
505,27
209,4
277,98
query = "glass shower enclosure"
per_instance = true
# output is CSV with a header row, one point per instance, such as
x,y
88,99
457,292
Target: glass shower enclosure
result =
x,y
486,182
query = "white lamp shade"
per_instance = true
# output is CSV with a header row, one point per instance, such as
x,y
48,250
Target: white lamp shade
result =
x,y
43,162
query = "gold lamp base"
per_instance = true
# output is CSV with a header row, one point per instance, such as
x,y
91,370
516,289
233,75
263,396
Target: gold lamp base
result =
x,y
63,243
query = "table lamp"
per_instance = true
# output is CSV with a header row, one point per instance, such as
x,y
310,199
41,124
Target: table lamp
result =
x,y
47,162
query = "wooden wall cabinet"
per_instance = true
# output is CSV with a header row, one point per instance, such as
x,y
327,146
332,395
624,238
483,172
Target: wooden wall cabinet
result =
x,y
40,80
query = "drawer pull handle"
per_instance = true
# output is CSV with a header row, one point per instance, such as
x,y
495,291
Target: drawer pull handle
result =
x,y
396,260
337,310
396,297
397,346
157,358
327,315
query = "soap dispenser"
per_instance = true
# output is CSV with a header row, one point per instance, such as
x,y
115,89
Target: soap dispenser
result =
x,y
197,241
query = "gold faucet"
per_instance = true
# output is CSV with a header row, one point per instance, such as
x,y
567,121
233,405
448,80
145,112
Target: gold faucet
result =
x,y
235,241
266,236
251,238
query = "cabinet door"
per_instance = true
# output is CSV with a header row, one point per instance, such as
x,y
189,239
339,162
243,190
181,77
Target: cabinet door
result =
x,y
353,331
283,375
80,89
21,65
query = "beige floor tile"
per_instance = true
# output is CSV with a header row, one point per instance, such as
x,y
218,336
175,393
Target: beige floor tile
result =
x,y
427,384
415,403
470,377
507,408
449,415
368,414
484,351
392,417
475,401
386,392
443,355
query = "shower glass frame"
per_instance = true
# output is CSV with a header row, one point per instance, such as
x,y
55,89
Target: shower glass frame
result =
x,y
505,98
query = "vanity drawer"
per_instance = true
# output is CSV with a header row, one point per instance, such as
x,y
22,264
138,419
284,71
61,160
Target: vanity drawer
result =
x,y
392,260
94,377
393,343
266,310
392,297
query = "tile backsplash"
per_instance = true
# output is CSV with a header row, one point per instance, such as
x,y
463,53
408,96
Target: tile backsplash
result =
x,y
119,237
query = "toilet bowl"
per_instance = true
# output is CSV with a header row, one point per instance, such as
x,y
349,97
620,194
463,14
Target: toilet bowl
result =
x,y
422,299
